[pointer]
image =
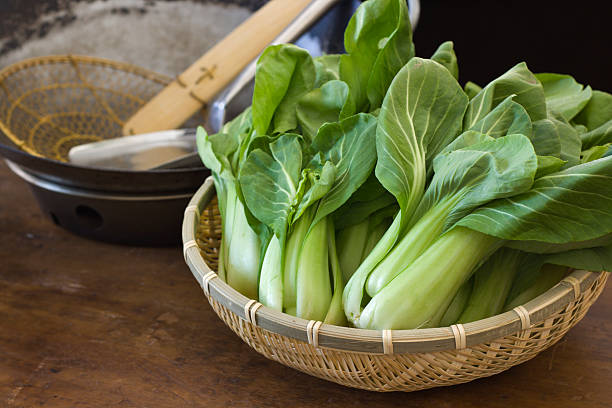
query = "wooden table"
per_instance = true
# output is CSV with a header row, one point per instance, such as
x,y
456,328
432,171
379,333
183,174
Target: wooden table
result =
x,y
87,324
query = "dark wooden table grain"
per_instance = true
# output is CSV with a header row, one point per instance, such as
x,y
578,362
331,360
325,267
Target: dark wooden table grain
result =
x,y
88,324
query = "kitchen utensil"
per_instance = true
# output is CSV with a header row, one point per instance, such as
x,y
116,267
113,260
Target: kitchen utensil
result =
x,y
138,152
49,104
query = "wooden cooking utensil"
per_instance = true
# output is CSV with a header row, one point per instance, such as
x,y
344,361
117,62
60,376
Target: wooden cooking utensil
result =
x,y
197,86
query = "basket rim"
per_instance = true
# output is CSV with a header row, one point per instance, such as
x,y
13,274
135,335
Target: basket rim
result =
x,y
373,341
82,59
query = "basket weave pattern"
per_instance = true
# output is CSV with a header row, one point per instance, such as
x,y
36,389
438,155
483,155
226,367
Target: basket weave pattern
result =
x,y
394,372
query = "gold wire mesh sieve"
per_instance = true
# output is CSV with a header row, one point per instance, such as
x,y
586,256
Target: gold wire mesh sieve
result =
x,y
50,104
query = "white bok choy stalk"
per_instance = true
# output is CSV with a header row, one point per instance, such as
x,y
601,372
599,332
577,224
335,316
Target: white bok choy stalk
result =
x,y
463,180
239,257
421,116
547,213
294,198
406,143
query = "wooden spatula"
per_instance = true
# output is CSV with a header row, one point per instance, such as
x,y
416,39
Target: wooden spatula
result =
x,y
197,86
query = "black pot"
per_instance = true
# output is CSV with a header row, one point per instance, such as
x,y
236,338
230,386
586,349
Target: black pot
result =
x,y
150,219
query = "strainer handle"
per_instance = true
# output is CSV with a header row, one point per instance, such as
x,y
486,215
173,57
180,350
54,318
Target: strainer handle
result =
x,y
199,84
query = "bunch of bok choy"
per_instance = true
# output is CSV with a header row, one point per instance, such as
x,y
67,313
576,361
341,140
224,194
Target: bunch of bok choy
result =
x,y
371,189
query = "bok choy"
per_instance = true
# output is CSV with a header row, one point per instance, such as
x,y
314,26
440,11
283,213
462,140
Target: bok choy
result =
x,y
372,189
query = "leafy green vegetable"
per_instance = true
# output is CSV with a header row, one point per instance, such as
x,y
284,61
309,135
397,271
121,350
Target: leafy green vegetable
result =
x,y
351,242
285,73
492,283
564,95
458,304
240,245
314,291
518,81
541,272
269,182
595,152
590,259
597,111
355,212
555,137
335,314
464,179
528,286
327,68
294,198
506,118
445,56
378,42
418,297
395,50
349,144
568,206
471,89
327,104
394,219
406,142
599,136
548,164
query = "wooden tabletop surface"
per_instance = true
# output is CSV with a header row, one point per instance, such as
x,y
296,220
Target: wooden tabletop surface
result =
x,y
87,324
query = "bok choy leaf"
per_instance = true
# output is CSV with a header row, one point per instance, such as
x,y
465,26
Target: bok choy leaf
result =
x,y
406,142
378,42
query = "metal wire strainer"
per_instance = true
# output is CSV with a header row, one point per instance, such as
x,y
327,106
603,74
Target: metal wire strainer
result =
x,y
50,104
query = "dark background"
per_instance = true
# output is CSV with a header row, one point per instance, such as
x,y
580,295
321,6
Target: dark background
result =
x,y
550,36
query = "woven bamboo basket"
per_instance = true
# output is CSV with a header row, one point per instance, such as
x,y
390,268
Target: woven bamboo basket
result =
x,y
388,360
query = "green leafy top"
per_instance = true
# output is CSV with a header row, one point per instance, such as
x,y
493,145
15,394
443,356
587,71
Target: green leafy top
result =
x,y
378,42
445,56
563,94
518,81
350,146
284,74
476,174
506,118
279,186
327,104
269,181
420,115
572,205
